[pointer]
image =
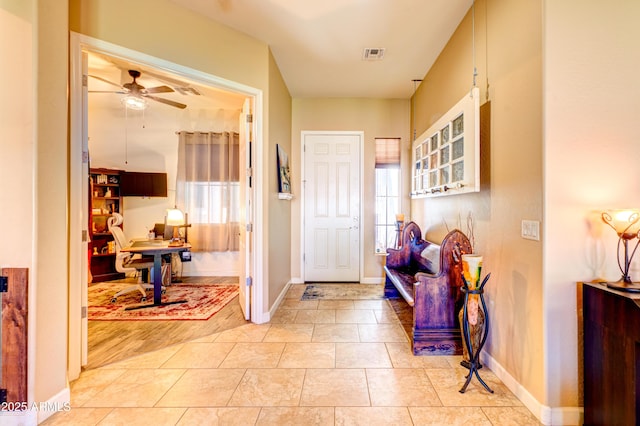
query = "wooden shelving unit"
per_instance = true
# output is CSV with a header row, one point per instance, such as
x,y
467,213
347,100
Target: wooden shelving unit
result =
x,y
105,200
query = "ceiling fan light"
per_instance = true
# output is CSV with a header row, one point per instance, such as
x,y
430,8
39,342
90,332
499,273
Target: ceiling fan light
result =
x,y
134,102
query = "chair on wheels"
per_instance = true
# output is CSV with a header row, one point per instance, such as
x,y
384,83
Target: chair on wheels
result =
x,y
129,264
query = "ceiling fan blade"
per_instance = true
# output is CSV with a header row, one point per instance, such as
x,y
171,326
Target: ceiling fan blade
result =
x,y
105,80
159,89
108,91
166,101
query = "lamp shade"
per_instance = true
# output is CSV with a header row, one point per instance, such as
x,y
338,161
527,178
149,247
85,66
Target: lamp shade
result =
x,y
134,102
626,222
175,217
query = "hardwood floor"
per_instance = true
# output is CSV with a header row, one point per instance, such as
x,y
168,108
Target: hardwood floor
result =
x,y
111,341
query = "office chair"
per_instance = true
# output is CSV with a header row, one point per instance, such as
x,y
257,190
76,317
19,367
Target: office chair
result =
x,y
128,263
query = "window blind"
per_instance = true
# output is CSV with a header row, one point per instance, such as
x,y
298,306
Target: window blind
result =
x,y
387,153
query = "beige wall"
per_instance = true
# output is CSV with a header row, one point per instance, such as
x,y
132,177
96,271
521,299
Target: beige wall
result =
x,y
51,202
279,214
557,101
586,109
377,118
176,34
17,147
591,153
17,153
508,44
162,29
33,178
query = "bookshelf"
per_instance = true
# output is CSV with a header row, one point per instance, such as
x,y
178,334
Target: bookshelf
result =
x,y
105,199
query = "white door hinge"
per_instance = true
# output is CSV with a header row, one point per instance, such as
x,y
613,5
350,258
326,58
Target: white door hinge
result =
x,y
249,281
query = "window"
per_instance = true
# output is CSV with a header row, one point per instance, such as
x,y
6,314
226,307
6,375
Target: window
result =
x,y
208,188
387,177
213,202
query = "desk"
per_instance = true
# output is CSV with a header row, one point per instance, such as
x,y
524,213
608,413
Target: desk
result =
x,y
155,248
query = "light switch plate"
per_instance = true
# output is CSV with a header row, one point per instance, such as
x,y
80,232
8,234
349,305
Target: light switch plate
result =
x,y
531,230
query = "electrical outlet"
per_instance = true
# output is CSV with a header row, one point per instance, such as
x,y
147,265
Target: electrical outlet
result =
x,y
531,230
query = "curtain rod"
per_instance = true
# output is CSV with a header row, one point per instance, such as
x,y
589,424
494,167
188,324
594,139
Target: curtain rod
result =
x,y
193,133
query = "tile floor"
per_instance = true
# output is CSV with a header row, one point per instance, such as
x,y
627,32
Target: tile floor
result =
x,y
320,362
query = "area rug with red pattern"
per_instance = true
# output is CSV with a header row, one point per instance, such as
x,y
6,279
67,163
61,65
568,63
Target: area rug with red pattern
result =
x,y
202,301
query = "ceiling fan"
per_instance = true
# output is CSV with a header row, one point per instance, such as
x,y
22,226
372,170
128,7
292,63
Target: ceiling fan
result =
x,y
136,93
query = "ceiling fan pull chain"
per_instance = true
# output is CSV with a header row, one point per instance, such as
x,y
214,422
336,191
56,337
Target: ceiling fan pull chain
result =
x,y
126,134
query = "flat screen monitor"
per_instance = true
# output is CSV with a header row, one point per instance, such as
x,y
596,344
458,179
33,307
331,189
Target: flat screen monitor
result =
x,y
143,184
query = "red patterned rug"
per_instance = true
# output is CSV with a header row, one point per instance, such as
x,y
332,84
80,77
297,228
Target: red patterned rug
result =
x,y
202,301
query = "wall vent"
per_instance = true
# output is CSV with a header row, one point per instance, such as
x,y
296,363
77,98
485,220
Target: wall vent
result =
x,y
373,53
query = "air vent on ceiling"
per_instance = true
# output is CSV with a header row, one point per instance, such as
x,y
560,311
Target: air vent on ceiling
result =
x,y
373,53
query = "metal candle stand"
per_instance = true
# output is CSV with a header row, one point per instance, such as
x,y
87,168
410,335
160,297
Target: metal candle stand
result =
x,y
399,228
474,356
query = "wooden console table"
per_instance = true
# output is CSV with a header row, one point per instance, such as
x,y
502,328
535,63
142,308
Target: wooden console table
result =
x,y
611,355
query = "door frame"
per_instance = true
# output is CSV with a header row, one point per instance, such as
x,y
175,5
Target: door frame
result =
x,y
303,134
78,221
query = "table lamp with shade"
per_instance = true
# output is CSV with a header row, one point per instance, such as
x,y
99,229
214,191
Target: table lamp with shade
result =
x,y
626,223
177,219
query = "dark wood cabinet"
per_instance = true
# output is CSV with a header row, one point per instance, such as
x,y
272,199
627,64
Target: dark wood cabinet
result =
x,y
105,199
611,321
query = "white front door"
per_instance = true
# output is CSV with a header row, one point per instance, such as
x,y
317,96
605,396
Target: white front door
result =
x,y
332,206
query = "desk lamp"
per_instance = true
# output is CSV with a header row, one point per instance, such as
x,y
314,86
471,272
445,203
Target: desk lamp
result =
x,y
626,223
177,219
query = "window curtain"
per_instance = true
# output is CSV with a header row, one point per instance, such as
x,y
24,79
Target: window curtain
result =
x,y
207,188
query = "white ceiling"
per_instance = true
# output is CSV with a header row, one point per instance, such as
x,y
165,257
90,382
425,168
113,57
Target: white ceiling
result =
x,y
318,44
116,71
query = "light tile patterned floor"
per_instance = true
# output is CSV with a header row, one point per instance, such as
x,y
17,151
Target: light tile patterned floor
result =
x,y
319,362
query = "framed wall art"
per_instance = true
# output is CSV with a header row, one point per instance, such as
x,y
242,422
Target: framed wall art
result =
x,y
284,173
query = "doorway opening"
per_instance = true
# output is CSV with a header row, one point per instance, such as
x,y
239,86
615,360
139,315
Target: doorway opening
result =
x,y
210,98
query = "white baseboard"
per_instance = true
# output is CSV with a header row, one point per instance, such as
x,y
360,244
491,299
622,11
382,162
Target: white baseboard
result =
x,y
37,412
279,300
212,264
365,280
59,402
19,418
547,415
372,280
